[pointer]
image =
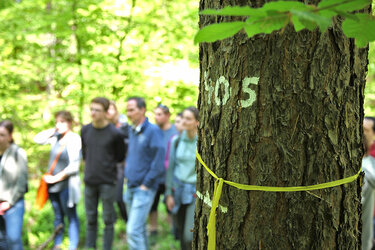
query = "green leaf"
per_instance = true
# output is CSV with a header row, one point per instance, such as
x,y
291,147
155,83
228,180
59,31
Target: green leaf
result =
x,y
280,6
344,5
363,30
274,21
297,24
310,20
218,31
233,11
285,6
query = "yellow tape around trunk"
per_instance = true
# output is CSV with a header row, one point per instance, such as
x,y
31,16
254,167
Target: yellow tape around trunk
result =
x,y
211,226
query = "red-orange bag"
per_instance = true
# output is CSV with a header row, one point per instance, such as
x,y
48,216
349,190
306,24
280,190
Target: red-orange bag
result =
x,y
42,194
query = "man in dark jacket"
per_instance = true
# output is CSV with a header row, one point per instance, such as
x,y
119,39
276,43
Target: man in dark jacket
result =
x,y
102,148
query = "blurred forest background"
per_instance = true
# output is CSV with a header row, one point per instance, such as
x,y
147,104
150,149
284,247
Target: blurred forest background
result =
x,y
60,54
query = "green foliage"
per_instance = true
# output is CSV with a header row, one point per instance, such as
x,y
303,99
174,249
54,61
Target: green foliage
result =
x,y
61,54
363,30
218,31
369,103
274,16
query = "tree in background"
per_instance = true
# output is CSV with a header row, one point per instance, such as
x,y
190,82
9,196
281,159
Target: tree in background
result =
x,y
282,109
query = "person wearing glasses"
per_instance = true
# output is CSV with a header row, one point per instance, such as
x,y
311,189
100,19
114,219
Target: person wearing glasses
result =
x,y
102,149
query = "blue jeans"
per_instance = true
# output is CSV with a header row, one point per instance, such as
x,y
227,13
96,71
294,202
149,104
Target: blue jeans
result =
x,y
59,203
107,193
138,205
13,223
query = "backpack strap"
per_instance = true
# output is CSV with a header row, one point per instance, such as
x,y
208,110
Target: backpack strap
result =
x,y
178,139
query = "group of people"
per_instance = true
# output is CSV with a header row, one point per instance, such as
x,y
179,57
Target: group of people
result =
x,y
153,159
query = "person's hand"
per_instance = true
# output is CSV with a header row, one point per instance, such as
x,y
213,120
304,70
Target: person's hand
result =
x,y
143,187
50,179
170,202
4,206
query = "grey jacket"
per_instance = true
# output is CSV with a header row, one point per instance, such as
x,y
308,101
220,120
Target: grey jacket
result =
x,y
368,166
13,174
73,146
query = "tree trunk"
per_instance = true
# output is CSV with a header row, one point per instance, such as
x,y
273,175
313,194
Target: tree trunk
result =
x,y
283,109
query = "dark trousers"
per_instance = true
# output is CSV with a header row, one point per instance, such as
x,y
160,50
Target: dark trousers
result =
x,y
107,193
185,223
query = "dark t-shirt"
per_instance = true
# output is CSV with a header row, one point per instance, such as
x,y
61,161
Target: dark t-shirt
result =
x,y
101,150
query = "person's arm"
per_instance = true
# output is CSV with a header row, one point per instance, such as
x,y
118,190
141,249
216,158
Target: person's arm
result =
x,y
170,171
20,172
157,164
370,175
171,166
45,136
119,146
74,154
83,143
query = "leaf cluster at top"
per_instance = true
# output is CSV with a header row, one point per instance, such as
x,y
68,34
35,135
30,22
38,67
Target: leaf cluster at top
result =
x,y
276,15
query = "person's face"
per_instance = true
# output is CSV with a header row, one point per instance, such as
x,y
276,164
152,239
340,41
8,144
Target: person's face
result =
x,y
178,124
367,130
62,125
188,121
112,113
134,113
161,118
98,113
5,138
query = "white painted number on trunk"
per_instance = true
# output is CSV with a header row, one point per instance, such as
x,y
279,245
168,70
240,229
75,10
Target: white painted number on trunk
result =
x,y
228,91
246,88
207,86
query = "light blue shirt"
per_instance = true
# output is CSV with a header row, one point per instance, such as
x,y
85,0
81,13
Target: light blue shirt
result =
x,y
182,161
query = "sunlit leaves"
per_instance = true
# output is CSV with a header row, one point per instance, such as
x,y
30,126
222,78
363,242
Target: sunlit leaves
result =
x,y
274,16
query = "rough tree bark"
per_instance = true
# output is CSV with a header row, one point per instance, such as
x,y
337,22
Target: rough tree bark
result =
x,y
283,109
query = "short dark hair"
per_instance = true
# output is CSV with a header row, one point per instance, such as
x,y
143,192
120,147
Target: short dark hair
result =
x,y
141,103
8,125
371,118
102,101
66,115
164,108
195,112
179,114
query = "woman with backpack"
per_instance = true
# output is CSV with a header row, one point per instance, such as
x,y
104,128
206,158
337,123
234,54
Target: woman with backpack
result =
x,y
182,178
13,185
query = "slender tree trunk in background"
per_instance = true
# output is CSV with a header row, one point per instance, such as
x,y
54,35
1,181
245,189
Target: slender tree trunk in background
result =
x,y
49,78
78,61
281,110
117,90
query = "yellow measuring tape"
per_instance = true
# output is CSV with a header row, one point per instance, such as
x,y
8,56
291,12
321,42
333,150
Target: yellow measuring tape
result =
x,y
211,226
